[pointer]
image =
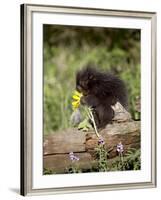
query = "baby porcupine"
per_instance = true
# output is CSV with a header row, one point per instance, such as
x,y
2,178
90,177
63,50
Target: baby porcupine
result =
x,y
100,91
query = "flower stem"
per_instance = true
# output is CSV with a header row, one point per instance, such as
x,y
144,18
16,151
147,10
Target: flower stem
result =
x,y
90,115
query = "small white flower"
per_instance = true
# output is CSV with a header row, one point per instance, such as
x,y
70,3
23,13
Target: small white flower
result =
x,y
73,157
120,147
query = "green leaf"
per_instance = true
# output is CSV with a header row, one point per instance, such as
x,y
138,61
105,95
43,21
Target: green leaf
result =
x,y
84,125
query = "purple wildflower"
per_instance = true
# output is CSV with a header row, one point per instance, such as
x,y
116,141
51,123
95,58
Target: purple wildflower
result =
x,y
73,157
120,148
101,141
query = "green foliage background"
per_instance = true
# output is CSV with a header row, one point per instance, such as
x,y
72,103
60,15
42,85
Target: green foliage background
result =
x,y
69,48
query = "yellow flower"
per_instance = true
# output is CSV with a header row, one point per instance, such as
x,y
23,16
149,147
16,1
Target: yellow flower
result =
x,y
76,99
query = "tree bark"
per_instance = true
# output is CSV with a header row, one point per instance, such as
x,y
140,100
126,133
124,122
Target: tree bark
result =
x,y
57,146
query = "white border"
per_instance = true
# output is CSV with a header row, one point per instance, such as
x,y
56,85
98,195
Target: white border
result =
x,y
52,181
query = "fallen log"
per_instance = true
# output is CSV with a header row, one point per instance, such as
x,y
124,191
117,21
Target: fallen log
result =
x,y
57,146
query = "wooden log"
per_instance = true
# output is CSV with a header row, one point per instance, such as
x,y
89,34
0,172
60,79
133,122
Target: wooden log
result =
x,y
67,141
128,133
57,146
61,163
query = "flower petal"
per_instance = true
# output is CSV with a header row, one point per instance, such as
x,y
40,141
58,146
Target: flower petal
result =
x,y
76,97
77,93
74,103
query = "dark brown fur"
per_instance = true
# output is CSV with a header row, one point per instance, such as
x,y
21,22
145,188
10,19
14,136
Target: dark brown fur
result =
x,y
100,91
